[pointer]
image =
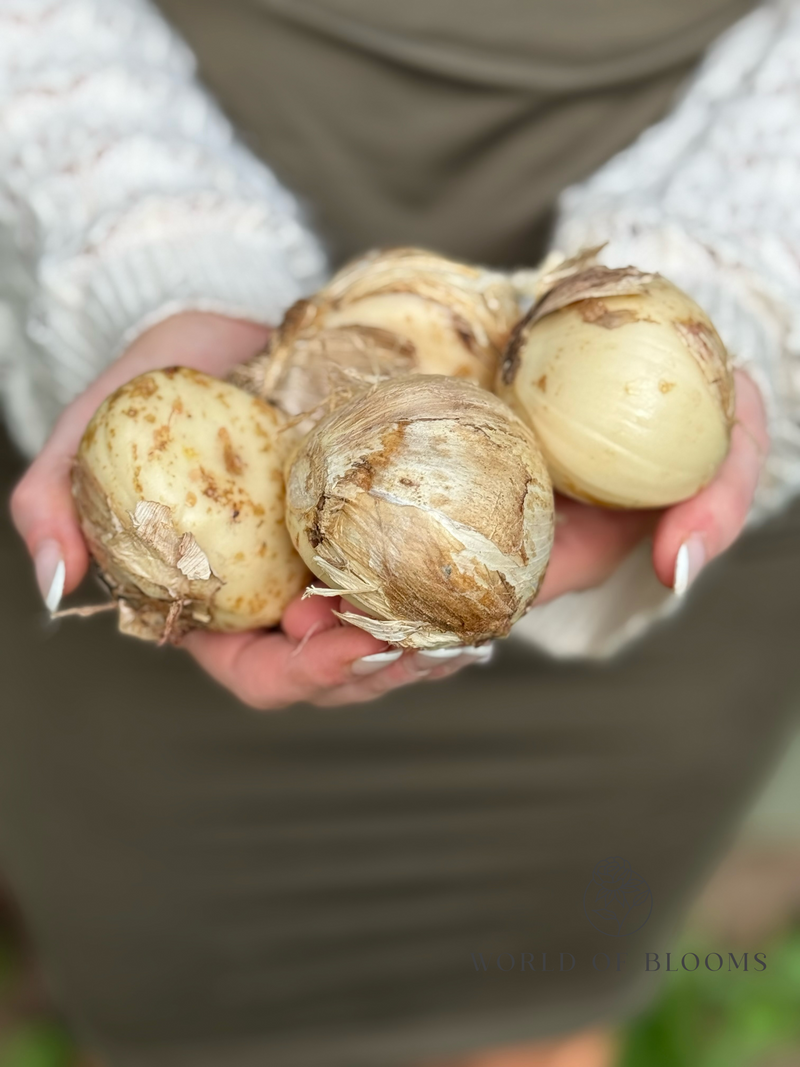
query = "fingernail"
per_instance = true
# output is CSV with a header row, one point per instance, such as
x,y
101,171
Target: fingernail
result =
x,y
479,653
690,561
376,662
50,573
430,658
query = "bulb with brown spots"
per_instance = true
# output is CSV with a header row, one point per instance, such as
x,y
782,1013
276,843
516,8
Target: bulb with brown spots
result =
x,y
179,488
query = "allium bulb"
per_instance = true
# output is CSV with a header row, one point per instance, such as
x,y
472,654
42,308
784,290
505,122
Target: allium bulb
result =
x,y
303,372
458,317
400,311
627,386
425,502
179,488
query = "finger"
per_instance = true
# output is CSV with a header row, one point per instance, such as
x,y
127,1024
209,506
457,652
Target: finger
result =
x,y
407,670
590,543
312,614
701,528
269,670
250,665
412,667
44,513
304,618
305,613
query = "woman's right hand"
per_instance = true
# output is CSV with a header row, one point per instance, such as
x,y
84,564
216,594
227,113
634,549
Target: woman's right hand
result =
x,y
313,657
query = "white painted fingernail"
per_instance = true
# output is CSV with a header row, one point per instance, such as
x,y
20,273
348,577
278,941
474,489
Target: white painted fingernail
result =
x,y
690,561
373,664
479,653
429,658
50,573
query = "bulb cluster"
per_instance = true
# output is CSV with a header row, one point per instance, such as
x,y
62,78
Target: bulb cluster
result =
x,y
401,439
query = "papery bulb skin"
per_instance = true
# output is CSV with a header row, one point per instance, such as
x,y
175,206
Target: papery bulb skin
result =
x,y
388,313
458,317
178,484
425,502
627,386
305,374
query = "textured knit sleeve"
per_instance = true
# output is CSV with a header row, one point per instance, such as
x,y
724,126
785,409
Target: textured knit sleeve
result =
x,y
124,198
710,197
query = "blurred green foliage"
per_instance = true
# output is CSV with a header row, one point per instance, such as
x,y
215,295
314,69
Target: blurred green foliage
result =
x,y
37,1044
722,1019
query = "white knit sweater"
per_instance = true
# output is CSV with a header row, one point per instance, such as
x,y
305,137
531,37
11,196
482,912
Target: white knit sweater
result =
x,y
125,197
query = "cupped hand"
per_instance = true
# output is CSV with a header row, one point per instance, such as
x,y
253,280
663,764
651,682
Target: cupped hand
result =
x,y
313,657
41,504
591,542
317,659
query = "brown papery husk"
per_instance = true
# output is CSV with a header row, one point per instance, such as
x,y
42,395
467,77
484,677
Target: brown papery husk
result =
x,y
387,314
532,284
425,502
483,303
305,373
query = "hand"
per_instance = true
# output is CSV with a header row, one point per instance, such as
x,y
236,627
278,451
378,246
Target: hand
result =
x,y
317,659
314,657
41,505
591,542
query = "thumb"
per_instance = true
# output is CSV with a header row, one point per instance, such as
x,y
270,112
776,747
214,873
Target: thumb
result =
x,y
693,532
43,512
